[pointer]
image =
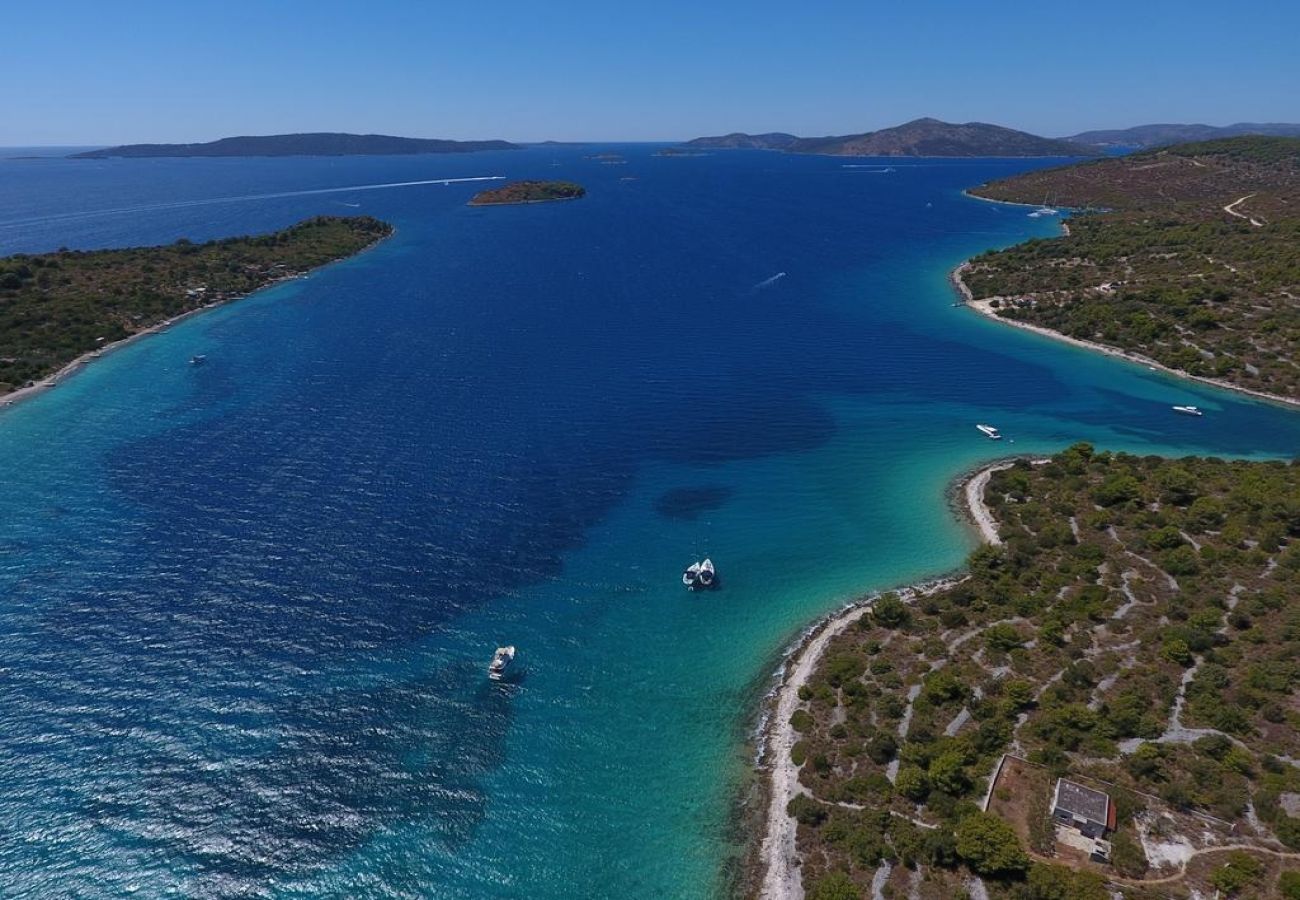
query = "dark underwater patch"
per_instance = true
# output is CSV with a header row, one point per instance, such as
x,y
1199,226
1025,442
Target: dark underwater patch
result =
x,y
688,503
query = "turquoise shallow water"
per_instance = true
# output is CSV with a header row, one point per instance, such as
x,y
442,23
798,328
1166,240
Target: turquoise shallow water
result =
x,y
246,607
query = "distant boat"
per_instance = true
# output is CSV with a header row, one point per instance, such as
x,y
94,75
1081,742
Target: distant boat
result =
x,y
501,661
1188,410
198,359
990,432
700,576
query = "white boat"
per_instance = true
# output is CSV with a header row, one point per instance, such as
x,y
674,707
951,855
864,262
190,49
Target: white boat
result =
x,y
707,574
1188,410
990,432
501,661
700,576
692,575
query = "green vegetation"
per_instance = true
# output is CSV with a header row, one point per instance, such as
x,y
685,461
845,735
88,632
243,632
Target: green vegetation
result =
x,y
529,192
1167,272
55,307
1126,588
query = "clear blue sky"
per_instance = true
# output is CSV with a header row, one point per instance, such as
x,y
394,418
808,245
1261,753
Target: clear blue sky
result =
x,y
105,73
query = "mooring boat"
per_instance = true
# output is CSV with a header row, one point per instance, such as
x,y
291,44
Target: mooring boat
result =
x,y
990,432
707,574
501,661
700,576
692,575
1188,410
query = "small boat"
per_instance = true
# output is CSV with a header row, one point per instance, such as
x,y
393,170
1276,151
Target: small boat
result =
x,y
1188,410
501,661
990,432
198,359
707,574
692,575
700,576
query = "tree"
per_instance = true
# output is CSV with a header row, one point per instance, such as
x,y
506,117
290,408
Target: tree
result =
x,y
835,886
990,846
912,783
1047,882
948,773
1127,855
890,611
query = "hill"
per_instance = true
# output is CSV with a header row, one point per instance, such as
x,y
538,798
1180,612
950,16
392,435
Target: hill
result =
x,y
931,137
317,144
1144,137
774,140
1132,626
1194,264
56,307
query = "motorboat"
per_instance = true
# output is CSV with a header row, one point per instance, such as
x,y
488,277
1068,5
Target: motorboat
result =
x,y
1188,410
990,432
501,661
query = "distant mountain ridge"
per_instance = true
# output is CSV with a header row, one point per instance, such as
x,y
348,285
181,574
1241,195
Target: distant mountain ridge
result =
x,y
1145,136
738,140
310,144
920,137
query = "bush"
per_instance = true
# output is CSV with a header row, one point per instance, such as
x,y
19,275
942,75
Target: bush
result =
x,y
835,886
805,810
1238,873
1288,885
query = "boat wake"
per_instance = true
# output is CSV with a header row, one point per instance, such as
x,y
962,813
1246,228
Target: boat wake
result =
x,y
768,282
185,204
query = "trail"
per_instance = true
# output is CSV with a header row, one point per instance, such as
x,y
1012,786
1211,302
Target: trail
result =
x,y
1230,210
185,204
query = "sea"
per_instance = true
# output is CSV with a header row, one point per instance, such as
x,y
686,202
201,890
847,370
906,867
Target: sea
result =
x,y
246,607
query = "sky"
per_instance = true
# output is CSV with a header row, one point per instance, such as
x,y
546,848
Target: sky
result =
x,y
87,73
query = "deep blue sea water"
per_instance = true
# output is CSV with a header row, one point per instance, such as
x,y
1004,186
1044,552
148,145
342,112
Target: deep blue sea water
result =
x,y
245,608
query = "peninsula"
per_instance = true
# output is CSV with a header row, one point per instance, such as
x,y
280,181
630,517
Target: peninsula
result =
x,y
1194,265
1124,632
315,144
57,309
920,137
528,192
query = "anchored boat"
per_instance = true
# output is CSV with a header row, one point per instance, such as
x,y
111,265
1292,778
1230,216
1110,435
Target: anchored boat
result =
x,y
700,576
501,661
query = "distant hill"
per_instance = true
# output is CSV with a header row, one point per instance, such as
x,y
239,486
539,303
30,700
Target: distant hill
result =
x,y
737,140
1146,136
931,137
317,144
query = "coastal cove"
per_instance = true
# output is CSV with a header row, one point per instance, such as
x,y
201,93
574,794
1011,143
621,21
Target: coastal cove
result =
x,y
269,584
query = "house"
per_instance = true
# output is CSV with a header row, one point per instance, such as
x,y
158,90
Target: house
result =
x,y
1089,811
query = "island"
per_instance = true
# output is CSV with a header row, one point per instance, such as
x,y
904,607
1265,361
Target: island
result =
x,y
738,140
312,144
529,192
920,137
58,310
1104,701
1186,257
1146,137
